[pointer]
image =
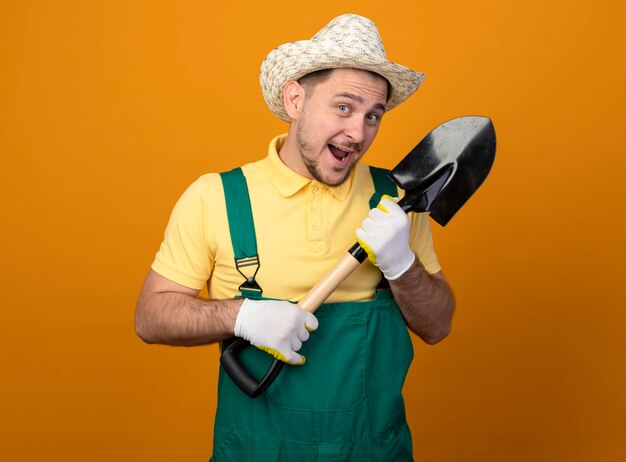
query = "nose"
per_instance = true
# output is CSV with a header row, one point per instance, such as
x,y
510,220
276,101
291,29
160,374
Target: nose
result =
x,y
355,130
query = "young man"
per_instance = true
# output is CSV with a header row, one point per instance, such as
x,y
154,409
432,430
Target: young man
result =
x,y
306,200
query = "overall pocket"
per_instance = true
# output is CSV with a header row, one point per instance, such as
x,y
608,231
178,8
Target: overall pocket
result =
x,y
333,377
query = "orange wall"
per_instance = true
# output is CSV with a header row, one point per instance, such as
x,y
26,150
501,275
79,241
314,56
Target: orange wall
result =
x,y
108,110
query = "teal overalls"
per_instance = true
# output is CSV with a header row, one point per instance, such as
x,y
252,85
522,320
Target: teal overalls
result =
x,y
345,404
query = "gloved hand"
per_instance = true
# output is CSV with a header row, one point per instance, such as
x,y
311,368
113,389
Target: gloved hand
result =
x,y
384,235
276,327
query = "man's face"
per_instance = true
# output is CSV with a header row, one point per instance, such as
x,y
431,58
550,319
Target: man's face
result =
x,y
338,123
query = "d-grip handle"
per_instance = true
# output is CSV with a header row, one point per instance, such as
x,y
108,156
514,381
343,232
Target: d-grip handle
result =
x,y
230,361
238,373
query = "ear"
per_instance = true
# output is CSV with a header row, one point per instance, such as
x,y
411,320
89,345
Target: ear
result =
x,y
293,99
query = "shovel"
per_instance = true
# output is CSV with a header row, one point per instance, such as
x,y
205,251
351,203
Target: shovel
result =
x,y
438,176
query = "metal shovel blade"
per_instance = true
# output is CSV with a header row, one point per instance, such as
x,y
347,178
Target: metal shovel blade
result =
x,y
461,150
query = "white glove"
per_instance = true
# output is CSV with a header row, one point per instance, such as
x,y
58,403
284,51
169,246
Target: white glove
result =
x,y
276,327
384,235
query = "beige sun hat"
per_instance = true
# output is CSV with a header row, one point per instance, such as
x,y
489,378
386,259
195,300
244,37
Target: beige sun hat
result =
x,y
348,41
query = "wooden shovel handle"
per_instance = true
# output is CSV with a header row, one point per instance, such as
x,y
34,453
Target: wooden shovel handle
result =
x,y
324,288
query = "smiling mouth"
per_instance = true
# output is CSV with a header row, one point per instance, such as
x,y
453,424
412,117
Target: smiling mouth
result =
x,y
338,153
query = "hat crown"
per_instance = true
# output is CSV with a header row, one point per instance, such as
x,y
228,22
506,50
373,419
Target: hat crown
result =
x,y
351,32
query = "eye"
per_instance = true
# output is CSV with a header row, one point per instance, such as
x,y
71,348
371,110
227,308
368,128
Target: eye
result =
x,y
373,118
343,107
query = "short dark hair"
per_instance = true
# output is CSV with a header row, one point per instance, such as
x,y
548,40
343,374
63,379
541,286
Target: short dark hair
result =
x,y
309,81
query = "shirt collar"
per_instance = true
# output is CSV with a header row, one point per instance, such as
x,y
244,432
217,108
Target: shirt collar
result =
x,y
288,182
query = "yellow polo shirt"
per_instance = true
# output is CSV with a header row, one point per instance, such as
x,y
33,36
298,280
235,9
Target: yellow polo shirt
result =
x,y
303,228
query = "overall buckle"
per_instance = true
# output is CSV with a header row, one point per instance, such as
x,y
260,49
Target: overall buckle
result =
x,y
248,268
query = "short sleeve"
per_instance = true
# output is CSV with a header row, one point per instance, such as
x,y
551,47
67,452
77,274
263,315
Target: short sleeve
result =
x,y
421,242
184,256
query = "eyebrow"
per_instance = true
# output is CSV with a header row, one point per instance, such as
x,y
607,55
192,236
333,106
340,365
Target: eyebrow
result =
x,y
359,99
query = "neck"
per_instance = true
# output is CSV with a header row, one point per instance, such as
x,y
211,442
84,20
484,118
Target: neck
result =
x,y
290,154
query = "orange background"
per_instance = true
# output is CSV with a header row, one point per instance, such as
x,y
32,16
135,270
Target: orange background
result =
x,y
108,110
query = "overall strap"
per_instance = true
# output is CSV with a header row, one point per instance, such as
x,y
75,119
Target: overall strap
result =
x,y
382,185
242,234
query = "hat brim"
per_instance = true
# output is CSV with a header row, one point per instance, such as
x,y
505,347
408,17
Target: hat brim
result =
x,y
294,60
